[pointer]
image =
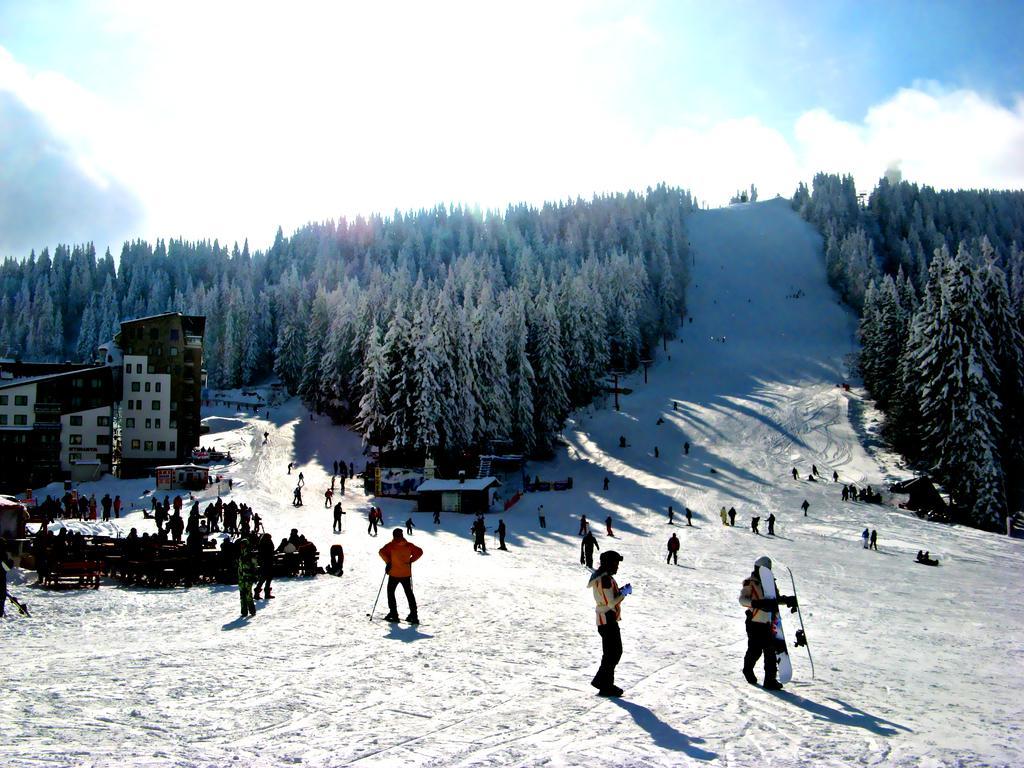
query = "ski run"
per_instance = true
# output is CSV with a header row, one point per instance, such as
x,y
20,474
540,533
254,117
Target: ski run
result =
x,y
915,666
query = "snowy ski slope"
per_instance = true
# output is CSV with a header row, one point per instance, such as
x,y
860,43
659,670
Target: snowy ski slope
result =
x,y
915,665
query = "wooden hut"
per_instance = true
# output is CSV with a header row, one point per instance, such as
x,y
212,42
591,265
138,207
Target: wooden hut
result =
x,y
461,495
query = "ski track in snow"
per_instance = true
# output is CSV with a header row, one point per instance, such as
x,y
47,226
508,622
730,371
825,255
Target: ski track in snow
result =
x,y
915,666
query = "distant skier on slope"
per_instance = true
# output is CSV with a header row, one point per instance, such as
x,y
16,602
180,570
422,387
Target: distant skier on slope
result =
x,y
796,475
338,512
608,526
760,638
771,524
501,535
673,550
689,517
608,598
584,525
805,506
732,516
865,536
587,549
724,515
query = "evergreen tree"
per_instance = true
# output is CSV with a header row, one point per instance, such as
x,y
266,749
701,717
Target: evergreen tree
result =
x,y
375,403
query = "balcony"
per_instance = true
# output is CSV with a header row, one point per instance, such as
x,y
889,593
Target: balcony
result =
x,y
193,341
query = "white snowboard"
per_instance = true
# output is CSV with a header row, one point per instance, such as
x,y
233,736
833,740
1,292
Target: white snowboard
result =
x,y
781,651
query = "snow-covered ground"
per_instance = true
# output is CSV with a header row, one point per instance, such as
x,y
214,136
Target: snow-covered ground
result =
x,y
915,665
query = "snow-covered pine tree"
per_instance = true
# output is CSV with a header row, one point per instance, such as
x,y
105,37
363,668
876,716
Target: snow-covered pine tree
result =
x,y
549,385
310,388
520,372
488,347
425,364
85,349
399,351
373,418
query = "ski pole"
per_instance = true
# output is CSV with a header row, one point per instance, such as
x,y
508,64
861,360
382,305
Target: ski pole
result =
x,y
370,614
799,615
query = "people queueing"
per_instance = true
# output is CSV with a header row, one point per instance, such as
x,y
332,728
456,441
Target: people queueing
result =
x,y
479,531
246,574
398,556
265,561
608,599
338,512
673,550
501,535
587,545
760,614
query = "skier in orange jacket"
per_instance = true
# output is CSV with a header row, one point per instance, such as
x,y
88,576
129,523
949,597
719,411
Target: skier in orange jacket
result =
x,y
398,556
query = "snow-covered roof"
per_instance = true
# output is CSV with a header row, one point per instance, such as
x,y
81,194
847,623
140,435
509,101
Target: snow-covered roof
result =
x,y
184,466
470,484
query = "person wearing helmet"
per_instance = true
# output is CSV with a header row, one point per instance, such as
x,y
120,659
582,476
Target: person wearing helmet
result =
x,y
608,597
759,616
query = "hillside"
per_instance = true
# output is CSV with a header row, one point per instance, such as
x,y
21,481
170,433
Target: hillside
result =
x,y
915,665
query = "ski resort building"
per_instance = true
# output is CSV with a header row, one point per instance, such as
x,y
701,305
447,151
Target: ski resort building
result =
x,y
462,495
56,421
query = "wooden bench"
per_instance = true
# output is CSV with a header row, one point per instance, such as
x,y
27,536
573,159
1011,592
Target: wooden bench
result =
x,y
75,573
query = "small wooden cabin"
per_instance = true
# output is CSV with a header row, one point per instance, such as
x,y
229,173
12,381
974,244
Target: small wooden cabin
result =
x,y
461,495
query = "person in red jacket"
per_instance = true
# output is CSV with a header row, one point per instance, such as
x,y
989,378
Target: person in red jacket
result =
x,y
398,556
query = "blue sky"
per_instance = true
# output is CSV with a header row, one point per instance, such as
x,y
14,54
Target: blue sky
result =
x,y
227,119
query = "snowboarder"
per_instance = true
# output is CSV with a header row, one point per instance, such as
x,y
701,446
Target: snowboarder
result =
x,y
541,517
398,556
835,476
479,531
754,522
437,517
686,449
673,550
724,515
608,526
771,524
689,517
671,515
732,516
408,526
805,506
760,637
265,559
501,535
338,512
874,540
605,483
584,525
796,475
608,598
587,550
337,566
246,573
865,536
328,495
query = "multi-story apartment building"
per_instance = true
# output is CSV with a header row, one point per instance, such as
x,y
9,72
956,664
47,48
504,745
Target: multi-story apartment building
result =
x,y
56,421
160,367
136,409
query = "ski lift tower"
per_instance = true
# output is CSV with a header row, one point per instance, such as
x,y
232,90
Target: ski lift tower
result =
x,y
645,364
615,386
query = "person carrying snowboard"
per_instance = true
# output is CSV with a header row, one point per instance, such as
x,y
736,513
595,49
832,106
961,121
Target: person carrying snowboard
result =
x,y
760,614
398,556
587,550
608,598
673,550
246,574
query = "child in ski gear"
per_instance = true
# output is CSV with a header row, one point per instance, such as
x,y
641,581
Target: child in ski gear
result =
x,y
673,550
398,556
246,573
760,614
608,599
587,549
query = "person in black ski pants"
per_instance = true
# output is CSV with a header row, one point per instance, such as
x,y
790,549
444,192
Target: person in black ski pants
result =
x,y
501,535
608,599
732,516
265,562
760,637
587,549
337,517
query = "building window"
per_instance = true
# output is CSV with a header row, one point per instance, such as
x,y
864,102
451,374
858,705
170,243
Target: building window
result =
x,y
156,405
95,383
78,383
172,351
3,419
131,405
138,367
138,405
20,420
156,423
74,456
174,334
129,423
136,386
149,423
161,445
154,334
148,446
173,424
150,369
135,445
172,445
147,386
21,399
102,439
74,439
3,399
157,385
76,402
127,367
102,421
75,421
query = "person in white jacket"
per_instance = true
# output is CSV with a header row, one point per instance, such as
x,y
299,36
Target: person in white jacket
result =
x,y
608,599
